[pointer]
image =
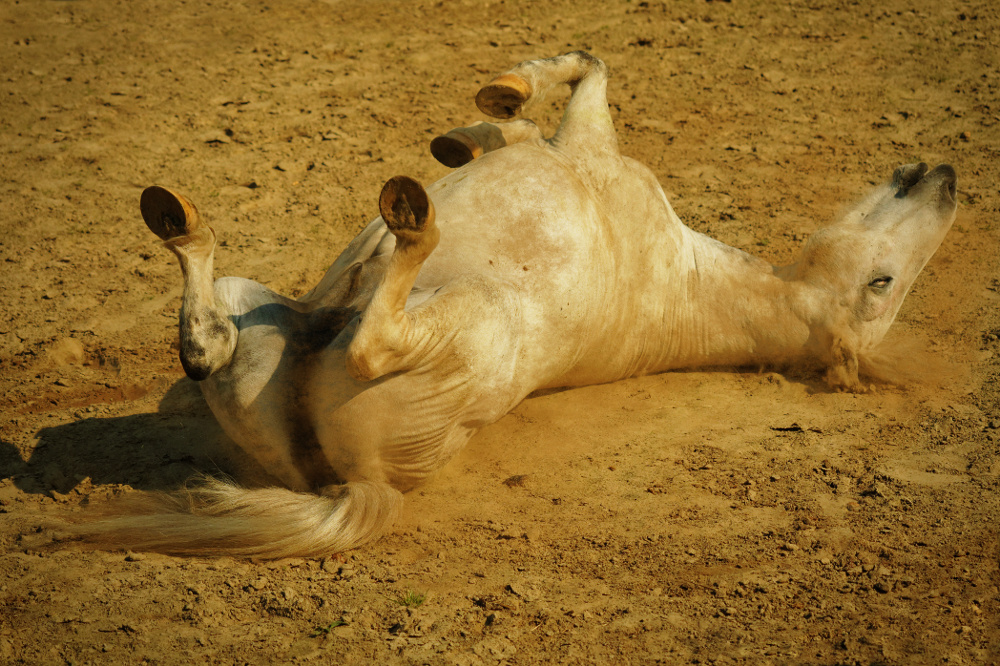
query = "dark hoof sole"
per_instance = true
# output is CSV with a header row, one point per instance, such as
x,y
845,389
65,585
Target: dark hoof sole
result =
x,y
404,205
504,96
454,150
167,215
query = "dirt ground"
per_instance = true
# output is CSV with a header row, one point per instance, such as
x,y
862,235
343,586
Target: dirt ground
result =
x,y
700,517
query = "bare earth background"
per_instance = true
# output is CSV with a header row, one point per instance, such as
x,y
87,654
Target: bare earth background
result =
x,y
699,517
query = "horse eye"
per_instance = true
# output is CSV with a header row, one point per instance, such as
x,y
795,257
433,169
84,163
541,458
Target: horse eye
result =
x,y
880,283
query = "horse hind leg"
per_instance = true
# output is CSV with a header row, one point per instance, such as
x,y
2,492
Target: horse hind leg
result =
x,y
464,144
387,338
207,335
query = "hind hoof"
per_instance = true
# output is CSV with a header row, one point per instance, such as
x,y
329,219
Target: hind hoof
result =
x,y
167,214
503,96
405,206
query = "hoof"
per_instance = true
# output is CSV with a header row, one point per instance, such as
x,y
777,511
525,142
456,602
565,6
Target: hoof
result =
x,y
168,215
503,96
455,149
405,206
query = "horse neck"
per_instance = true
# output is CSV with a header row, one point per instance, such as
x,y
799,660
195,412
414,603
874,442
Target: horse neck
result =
x,y
733,309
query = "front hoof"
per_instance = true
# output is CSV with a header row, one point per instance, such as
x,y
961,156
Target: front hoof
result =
x,y
167,214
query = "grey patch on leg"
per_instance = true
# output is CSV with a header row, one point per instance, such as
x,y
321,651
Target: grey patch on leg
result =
x,y
193,360
593,61
201,332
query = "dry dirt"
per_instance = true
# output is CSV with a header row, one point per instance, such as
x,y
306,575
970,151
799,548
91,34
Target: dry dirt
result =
x,y
698,517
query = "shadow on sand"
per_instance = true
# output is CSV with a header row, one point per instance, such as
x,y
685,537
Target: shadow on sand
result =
x,y
158,451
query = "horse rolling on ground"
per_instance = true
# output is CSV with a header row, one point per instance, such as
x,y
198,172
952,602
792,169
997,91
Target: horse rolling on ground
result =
x,y
538,263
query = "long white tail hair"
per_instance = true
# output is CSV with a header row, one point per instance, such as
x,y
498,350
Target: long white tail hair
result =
x,y
218,517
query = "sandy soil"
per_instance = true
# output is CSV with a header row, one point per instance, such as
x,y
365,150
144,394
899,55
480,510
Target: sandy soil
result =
x,y
697,517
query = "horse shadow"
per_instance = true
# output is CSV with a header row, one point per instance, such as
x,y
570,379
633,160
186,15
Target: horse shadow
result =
x,y
155,451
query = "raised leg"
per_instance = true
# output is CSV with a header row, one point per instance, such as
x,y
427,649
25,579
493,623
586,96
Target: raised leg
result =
x,y
586,121
464,144
386,339
208,337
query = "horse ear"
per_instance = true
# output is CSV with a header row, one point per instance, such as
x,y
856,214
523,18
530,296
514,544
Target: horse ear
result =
x,y
842,371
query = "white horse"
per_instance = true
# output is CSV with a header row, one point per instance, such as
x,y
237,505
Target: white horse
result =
x,y
539,263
